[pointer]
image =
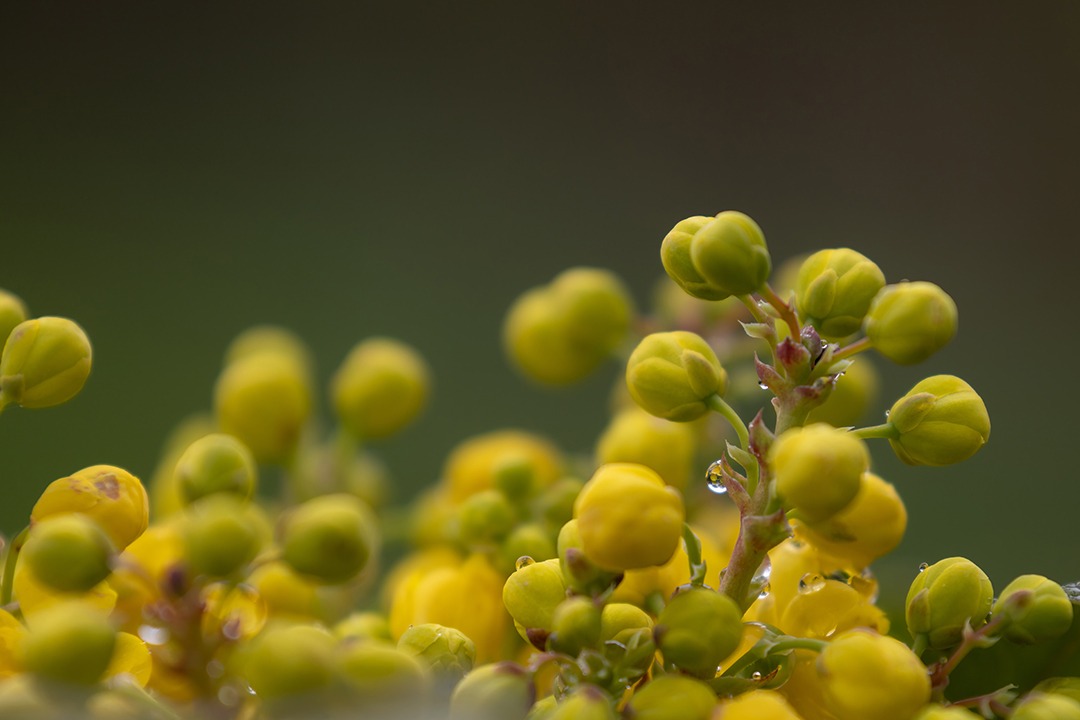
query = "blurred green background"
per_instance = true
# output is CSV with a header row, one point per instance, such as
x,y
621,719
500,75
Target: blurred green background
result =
x,y
171,173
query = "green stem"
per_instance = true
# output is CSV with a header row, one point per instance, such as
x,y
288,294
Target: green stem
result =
x,y
760,317
856,347
786,313
887,430
715,402
799,644
9,565
919,645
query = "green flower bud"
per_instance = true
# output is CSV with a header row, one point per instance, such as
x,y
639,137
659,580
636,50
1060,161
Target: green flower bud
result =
x,y
364,626
532,593
69,553
579,572
619,620
556,503
945,597
215,463
70,642
673,697
542,709
575,625
675,255
26,697
672,375
531,540
698,629
380,672
289,660
1046,706
558,333
910,321
587,702
221,535
485,518
264,401
1067,686
818,469
855,391
1037,609
381,387
940,421
628,518
499,691
330,538
729,252
834,290
45,362
940,712
445,650
12,312
269,340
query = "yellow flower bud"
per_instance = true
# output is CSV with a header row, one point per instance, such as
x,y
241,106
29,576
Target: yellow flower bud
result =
x,y
834,289
112,497
866,675
499,691
269,340
69,642
940,421
870,526
485,518
698,629
672,697
587,702
1037,608
330,538
910,321
45,362
264,400
1046,706
381,387
289,660
628,518
818,470
381,673
724,256
445,650
619,620
532,593
286,593
365,626
69,553
12,312
559,333
944,597
475,463
856,390
581,574
672,375
757,705
215,463
940,712
635,436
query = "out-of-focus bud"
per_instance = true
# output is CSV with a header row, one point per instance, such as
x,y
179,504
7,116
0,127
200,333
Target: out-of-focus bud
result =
x,y
289,660
1036,608
855,391
945,597
381,387
635,436
69,642
698,629
221,535
12,312
587,702
111,496
834,290
940,712
447,651
499,691
628,518
1046,706
485,518
672,375
69,553
45,362
476,463
870,526
672,697
910,321
757,705
575,625
940,421
866,675
215,463
330,538
818,470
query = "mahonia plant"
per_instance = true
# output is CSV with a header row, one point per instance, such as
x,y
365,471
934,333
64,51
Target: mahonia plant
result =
x,y
695,566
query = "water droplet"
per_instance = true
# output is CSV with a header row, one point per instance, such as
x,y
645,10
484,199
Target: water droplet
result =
x,y
756,675
761,384
811,582
923,566
714,476
764,592
523,561
886,413
153,635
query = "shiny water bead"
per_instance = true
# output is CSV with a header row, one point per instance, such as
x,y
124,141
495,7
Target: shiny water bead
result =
x,y
69,642
834,289
628,518
1037,609
111,496
867,675
381,387
910,321
818,470
672,375
824,608
940,421
672,697
215,463
498,691
45,362
69,553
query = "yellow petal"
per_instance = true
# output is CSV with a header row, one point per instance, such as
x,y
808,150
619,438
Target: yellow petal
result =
x,y
131,658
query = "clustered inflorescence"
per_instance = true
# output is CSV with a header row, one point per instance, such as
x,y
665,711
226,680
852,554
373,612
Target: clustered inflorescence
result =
x,y
694,567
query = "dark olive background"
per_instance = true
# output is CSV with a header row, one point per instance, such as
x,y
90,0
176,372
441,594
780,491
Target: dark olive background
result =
x,y
174,172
